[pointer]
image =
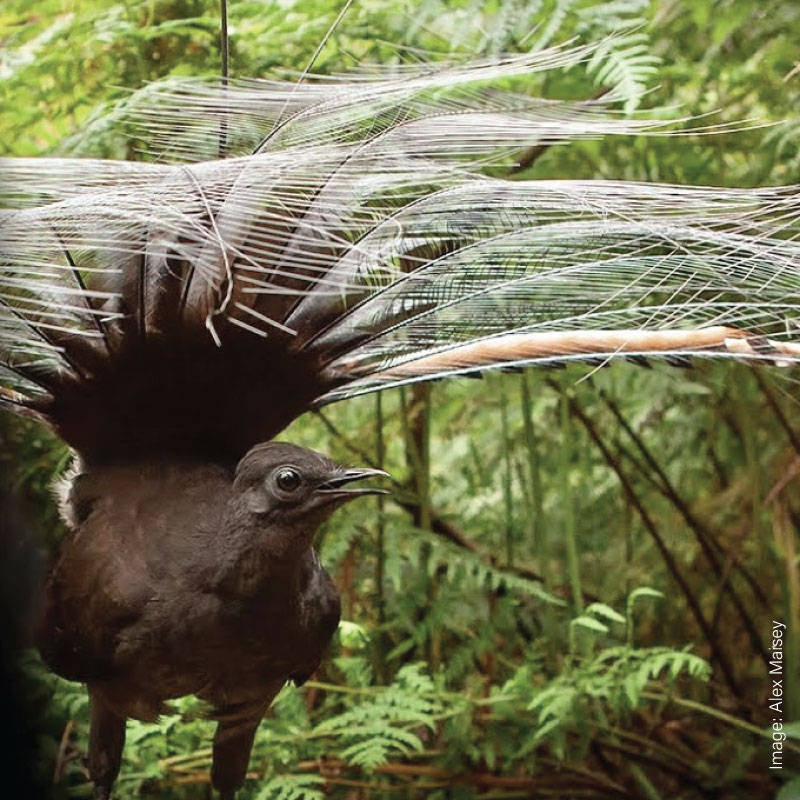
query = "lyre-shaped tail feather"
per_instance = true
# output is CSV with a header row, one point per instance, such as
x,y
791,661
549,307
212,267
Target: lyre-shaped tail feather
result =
x,y
200,307
182,119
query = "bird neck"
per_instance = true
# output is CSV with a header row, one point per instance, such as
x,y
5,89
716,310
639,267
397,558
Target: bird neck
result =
x,y
259,570
258,553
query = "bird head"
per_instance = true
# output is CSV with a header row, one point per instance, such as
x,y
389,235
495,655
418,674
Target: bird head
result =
x,y
289,491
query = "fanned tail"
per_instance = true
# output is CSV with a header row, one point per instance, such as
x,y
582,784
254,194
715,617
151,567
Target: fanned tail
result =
x,y
200,306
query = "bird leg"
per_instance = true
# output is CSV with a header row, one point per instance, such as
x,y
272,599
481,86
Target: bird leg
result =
x,y
106,739
233,742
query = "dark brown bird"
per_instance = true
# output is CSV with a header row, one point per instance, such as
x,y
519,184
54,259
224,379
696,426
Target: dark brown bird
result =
x,y
185,578
163,318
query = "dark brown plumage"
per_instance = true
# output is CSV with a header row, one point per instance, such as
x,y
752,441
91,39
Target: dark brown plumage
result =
x,y
186,578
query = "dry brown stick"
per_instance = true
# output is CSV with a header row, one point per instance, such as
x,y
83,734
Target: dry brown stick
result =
x,y
61,758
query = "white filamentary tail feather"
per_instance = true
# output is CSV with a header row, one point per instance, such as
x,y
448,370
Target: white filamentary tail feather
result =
x,y
352,228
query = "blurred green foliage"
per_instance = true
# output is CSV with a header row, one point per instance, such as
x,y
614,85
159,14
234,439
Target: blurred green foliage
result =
x,y
504,638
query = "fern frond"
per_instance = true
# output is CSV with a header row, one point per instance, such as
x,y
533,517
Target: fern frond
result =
x,y
293,787
626,64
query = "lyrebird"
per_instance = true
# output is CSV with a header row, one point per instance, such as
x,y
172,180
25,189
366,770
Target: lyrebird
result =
x,y
167,318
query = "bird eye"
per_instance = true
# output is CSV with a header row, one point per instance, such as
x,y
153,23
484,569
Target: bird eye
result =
x,y
288,479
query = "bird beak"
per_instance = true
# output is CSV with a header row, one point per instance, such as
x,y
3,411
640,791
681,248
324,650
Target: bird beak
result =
x,y
334,486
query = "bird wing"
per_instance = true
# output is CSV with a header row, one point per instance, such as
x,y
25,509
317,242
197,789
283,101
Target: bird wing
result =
x,y
200,303
93,595
133,575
